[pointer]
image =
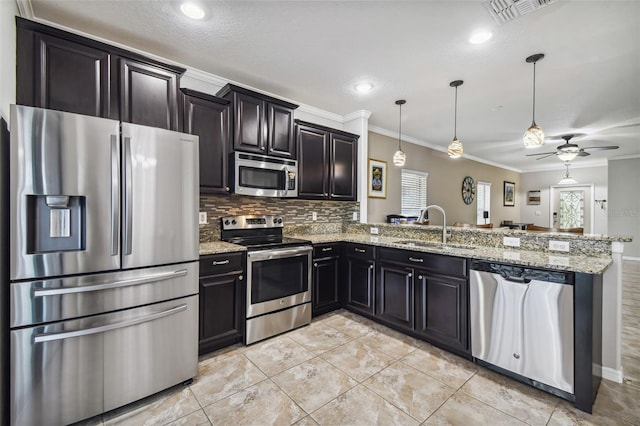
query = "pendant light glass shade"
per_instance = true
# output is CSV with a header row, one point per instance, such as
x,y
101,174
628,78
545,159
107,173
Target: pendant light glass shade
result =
x,y
567,179
533,136
400,158
455,148
568,154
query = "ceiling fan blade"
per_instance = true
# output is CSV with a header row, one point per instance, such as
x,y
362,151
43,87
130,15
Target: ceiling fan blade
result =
x,y
600,148
548,155
541,153
583,153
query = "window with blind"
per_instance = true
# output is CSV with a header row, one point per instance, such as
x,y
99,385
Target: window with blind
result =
x,y
483,203
414,192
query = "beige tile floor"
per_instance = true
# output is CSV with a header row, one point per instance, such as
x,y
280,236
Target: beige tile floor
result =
x,y
344,369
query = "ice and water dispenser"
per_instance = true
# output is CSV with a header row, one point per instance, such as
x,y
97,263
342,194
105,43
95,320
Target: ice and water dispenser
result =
x,y
55,223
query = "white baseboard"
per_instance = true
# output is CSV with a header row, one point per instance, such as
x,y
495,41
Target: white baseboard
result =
x,y
632,259
613,375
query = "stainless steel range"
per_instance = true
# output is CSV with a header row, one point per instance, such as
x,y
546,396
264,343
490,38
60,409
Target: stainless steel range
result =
x,y
278,275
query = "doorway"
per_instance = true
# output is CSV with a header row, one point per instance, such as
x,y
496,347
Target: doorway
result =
x,y
571,206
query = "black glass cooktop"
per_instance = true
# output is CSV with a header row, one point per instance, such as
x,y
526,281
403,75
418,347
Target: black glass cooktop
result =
x,y
267,242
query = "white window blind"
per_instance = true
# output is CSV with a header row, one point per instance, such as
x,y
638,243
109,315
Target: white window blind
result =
x,y
483,203
414,192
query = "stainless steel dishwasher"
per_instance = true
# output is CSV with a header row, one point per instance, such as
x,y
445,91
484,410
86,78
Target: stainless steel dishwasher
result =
x,y
522,322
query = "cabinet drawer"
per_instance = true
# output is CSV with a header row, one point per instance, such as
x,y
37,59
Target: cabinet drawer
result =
x,y
221,263
437,263
326,250
360,251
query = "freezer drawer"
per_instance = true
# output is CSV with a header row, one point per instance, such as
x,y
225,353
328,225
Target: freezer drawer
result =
x,y
68,371
524,326
58,299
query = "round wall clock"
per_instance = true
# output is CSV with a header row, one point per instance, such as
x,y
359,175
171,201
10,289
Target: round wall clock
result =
x,y
468,190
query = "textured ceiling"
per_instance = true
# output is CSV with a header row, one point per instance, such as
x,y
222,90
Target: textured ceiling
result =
x,y
313,52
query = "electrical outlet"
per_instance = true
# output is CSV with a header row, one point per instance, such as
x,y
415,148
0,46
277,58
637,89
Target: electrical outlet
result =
x,y
314,216
202,218
355,216
511,241
559,245
374,230
538,213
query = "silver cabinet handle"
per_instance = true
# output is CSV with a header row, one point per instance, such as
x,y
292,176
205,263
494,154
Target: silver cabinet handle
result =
x,y
124,283
315,264
128,191
240,278
327,249
416,259
48,337
409,275
220,262
359,250
370,266
226,188
419,277
115,195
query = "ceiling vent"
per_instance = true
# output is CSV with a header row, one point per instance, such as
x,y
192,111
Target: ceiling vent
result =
x,y
508,10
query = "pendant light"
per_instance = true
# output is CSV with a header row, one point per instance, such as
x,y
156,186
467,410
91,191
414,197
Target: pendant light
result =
x,y
534,136
567,179
455,147
399,158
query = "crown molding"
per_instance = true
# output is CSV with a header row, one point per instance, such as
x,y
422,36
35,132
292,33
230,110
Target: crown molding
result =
x,y
320,113
625,157
25,8
363,113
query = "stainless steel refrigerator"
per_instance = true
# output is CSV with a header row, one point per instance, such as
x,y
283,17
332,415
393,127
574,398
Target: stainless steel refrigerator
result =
x,y
103,264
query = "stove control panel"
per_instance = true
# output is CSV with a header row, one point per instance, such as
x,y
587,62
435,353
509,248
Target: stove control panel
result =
x,y
251,222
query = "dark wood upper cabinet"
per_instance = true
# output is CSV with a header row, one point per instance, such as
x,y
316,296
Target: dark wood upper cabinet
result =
x,y
327,162
261,124
148,95
208,117
59,70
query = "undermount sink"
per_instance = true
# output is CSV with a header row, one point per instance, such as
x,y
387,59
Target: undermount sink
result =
x,y
435,244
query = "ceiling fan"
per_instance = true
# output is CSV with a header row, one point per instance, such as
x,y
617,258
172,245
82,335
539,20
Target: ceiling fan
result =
x,y
568,151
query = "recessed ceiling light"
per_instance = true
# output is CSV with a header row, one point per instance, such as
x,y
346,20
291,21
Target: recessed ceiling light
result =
x,y
480,37
364,87
192,10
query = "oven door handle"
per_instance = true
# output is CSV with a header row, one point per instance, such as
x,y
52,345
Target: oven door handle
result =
x,y
279,254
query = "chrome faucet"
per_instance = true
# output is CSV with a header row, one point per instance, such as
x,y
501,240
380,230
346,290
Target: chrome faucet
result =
x,y
444,220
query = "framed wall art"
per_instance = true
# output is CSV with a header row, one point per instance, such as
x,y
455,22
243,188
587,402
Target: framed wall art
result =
x,y
509,194
533,197
377,178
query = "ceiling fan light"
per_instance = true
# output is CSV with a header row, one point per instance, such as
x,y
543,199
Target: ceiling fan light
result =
x,y
533,137
455,149
399,158
568,154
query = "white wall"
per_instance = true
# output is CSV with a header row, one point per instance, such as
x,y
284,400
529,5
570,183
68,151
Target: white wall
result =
x,y
8,11
623,204
540,214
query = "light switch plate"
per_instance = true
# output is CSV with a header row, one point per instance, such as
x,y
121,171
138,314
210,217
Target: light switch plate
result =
x,y
202,218
559,245
314,216
511,241
355,216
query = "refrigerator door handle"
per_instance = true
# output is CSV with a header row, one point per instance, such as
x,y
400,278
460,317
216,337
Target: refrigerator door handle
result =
x,y
128,196
115,195
124,283
49,337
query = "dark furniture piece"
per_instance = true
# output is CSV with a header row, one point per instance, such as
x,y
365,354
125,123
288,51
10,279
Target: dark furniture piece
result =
x,y
325,294
514,225
358,278
222,300
261,124
64,71
425,294
546,229
327,163
208,117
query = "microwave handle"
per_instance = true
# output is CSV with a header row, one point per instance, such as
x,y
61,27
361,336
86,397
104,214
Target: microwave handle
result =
x,y
286,181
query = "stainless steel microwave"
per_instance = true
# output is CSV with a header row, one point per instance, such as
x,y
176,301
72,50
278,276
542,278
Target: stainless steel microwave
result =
x,y
264,176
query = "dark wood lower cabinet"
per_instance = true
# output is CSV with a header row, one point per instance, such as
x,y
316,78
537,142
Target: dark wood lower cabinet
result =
x,y
359,279
222,301
326,280
395,295
441,309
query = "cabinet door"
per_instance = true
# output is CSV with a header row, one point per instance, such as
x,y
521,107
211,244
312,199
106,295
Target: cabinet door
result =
x,y
210,121
148,95
249,127
280,138
312,163
221,311
342,174
69,77
360,279
325,285
442,310
395,295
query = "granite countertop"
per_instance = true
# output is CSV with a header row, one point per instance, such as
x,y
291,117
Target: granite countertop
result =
x,y
538,259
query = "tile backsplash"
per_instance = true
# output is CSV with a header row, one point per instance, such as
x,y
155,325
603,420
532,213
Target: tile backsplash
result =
x,y
293,211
